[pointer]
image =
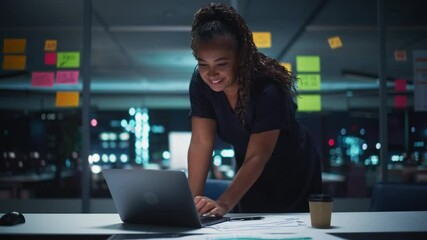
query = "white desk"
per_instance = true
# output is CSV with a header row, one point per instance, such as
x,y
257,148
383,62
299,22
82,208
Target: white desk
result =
x,y
100,226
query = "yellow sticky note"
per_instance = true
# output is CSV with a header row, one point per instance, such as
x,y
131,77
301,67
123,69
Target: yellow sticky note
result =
x,y
309,103
14,45
335,42
287,65
308,63
262,39
68,60
67,99
50,45
14,62
309,81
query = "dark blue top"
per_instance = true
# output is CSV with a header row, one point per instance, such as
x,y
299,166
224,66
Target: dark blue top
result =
x,y
293,171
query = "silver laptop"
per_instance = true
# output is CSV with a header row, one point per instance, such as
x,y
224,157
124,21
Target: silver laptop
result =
x,y
155,197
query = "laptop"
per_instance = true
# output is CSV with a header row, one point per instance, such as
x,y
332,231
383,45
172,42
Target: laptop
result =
x,y
155,197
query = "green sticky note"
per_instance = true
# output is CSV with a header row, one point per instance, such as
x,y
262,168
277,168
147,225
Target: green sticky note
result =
x,y
309,103
308,81
308,64
68,60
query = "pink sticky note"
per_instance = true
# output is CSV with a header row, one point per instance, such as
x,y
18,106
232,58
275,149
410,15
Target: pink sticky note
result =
x,y
42,79
400,85
67,76
400,101
50,58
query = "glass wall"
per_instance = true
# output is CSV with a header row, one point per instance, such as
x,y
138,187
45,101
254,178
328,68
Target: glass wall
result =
x,y
141,64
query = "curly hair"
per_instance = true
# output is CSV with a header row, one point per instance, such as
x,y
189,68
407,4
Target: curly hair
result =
x,y
219,19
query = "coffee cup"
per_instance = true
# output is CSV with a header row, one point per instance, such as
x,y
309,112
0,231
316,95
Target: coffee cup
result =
x,y
320,210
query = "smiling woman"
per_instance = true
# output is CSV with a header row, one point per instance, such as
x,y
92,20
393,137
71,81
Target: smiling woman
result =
x,y
247,99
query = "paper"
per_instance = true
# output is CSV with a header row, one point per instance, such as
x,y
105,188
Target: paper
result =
x,y
269,223
50,45
14,45
67,76
42,79
262,39
67,99
14,62
308,63
308,81
228,236
287,65
309,103
68,60
50,58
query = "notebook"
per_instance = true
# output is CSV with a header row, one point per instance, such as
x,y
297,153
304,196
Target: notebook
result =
x,y
155,197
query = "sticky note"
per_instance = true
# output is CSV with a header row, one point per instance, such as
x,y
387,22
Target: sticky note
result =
x,y
14,45
400,101
309,103
308,63
308,81
67,76
400,85
262,39
50,45
67,99
335,42
50,58
68,60
14,62
400,55
287,65
42,79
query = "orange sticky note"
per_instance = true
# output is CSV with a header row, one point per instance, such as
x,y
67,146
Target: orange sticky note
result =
x,y
42,79
50,45
14,62
14,45
67,99
400,55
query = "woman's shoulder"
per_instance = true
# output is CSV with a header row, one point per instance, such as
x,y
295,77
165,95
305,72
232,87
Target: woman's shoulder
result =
x,y
263,84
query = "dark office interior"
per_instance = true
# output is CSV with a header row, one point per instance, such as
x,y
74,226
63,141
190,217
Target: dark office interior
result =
x,y
135,62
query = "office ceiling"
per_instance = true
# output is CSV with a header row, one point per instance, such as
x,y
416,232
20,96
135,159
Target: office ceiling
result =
x,y
141,49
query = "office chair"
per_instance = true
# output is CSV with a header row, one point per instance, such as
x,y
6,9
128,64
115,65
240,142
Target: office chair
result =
x,y
399,197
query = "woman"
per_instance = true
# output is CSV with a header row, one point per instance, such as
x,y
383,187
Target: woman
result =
x,y
247,99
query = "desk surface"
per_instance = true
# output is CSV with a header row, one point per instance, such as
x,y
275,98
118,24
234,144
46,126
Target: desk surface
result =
x,y
110,224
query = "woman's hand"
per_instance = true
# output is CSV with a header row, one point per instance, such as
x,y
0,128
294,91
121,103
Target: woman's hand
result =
x,y
209,207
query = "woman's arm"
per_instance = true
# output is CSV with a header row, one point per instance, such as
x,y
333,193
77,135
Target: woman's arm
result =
x,y
203,132
260,148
